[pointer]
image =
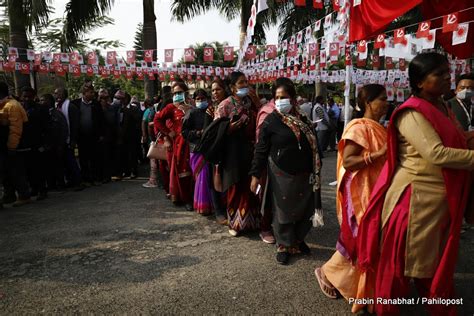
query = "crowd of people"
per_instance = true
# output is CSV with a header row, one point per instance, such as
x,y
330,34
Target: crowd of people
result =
x,y
402,190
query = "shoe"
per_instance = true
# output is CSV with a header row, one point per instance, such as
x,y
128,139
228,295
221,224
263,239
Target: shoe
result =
x,y
149,185
304,248
41,196
116,178
21,202
283,257
189,207
233,232
267,237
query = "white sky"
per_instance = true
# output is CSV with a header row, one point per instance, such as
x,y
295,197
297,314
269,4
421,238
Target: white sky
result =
x,y
205,28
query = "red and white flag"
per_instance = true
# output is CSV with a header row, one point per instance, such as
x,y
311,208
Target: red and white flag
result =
x,y
423,29
148,55
460,35
111,58
270,52
13,51
56,59
30,54
380,41
64,57
47,56
169,55
333,52
25,68
300,3
399,36
92,58
38,59
284,45
389,63
292,50
228,53
313,49
375,61
308,33
362,46
74,58
251,52
336,5
317,25
348,59
131,56
390,94
189,55
208,54
322,59
299,37
450,22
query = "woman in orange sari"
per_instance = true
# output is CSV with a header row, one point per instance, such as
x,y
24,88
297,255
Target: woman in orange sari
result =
x,y
361,157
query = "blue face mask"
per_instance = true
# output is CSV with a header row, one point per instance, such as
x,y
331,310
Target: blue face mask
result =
x,y
202,105
243,92
283,106
178,97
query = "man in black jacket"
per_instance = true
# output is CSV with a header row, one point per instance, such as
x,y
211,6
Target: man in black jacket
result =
x,y
90,133
35,136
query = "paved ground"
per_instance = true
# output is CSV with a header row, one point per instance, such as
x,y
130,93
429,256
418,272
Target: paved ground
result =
x,y
119,248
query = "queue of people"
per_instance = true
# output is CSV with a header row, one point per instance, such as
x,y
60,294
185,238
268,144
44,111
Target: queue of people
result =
x,y
52,143
402,190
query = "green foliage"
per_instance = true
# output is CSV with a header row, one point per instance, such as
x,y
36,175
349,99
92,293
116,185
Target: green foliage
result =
x,y
138,41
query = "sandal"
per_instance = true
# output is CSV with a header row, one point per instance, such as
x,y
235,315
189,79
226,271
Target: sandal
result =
x,y
327,289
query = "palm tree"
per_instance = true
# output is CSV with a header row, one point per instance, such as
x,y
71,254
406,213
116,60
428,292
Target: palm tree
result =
x,y
149,40
26,15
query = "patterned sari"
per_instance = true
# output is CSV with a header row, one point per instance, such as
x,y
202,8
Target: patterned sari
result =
x,y
202,187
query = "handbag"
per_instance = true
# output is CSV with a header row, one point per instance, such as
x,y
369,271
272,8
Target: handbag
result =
x,y
157,151
217,179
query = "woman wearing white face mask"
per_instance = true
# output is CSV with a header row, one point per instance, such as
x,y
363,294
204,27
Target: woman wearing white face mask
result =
x,y
287,144
192,131
169,122
239,111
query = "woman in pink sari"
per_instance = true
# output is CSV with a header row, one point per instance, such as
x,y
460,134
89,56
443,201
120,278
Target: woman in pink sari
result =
x,y
412,226
361,157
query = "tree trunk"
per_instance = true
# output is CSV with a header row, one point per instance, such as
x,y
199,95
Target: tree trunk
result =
x,y
149,41
18,39
244,19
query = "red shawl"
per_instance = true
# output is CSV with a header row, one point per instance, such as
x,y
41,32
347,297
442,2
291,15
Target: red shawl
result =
x,y
457,191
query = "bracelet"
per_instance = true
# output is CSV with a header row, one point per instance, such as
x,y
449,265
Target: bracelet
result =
x,y
367,158
370,157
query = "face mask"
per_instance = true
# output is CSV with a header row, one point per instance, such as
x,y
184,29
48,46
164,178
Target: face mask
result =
x,y
201,104
116,102
283,106
242,92
465,94
178,97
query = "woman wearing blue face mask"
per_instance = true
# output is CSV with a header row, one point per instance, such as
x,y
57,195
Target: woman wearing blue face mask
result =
x,y
192,130
238,114
288,149
169,122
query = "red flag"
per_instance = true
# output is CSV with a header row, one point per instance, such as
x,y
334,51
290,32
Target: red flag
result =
x,y
270,52
450,22
76,71
251,52
25,68
388,63
208,54
373,16
92,58
361,62
90,71
56,58
116,73
318,4
375,61
336,5
111,58
380,41
148,56
402,65
104,73
399,36
333,52
300,3
362,46
168,56
43,68
60,71
228,53
423,29
292,50
74,58
131,56
313,49
151,76
348,56
38,59
188,55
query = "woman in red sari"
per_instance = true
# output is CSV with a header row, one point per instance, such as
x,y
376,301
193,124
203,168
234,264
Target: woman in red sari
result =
x,y
412,226
180,187
241,109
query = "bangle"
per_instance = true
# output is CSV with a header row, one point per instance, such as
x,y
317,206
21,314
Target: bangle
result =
x,y
370,157
367,158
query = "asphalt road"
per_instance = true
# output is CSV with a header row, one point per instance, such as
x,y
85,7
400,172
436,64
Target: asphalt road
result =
x,y
120,248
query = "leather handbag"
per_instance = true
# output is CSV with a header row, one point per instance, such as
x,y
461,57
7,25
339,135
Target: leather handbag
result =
x,y
217,179
157,151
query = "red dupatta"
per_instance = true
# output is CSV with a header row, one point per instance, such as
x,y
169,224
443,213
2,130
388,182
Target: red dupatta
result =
x,y
457,191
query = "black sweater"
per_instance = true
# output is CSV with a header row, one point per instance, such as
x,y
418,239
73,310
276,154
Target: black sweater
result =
x,y
278,140
193,122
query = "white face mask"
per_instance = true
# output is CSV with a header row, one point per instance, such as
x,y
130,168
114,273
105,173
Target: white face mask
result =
x,y
283,106
465,94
